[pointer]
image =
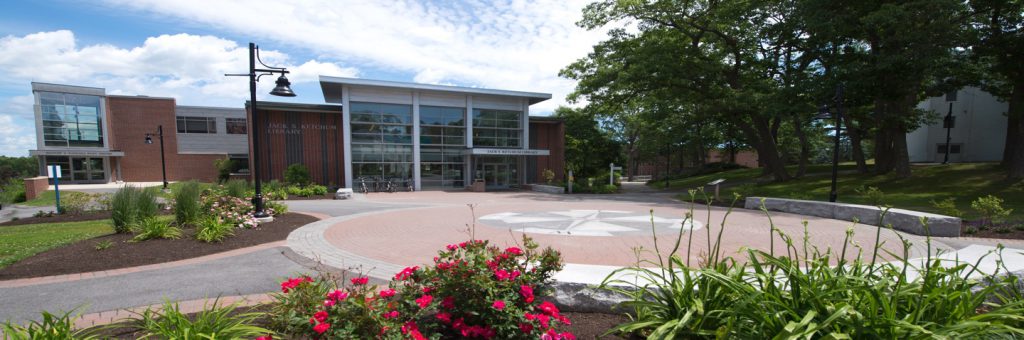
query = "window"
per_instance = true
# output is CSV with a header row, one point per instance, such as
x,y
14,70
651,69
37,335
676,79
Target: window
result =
x,y
197,125
941,148
71,120
239,163
235,126
497,128
381,140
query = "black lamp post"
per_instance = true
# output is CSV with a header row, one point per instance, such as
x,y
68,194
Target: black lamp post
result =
x,y
282,89
948,121
163,161
825,114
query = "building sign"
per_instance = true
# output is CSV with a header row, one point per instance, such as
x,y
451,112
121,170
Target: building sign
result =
x,y
76,153
295,129
508,152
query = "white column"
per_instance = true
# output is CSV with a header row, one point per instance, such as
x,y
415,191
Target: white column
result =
x,y
526,124
346,133
467,175
416,139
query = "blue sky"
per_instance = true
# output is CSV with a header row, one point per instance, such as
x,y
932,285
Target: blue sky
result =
x,y
181,49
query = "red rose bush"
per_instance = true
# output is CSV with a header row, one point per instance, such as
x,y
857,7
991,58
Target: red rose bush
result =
x,y
472,290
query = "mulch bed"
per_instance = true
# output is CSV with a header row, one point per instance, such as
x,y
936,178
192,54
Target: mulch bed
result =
x,y
1012,230
89,216
82,256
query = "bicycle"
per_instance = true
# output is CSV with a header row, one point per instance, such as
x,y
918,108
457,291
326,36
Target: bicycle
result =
x,y
409,185
362,186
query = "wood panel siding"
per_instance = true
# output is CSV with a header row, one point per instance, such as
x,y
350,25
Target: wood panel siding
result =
x,y
301,137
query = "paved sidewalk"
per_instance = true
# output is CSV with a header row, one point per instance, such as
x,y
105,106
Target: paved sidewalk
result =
x,y
10,212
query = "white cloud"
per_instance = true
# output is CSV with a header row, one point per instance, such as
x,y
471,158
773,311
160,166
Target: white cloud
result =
x,y
515,45
188,67
16,137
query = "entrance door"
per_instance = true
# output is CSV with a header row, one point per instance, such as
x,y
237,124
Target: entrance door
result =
x,y
496,176
87,169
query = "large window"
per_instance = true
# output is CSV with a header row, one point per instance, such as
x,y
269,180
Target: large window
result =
x,y
197,124
497,128
442,142
381,140
235,126
71,120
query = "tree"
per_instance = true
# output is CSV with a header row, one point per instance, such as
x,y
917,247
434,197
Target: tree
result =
x,y
998,49
588,147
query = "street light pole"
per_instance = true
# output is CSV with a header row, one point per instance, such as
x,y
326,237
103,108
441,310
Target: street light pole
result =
x,y
163,161
950,97
282,89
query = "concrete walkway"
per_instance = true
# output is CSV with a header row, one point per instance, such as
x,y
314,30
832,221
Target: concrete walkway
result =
x,y
10,212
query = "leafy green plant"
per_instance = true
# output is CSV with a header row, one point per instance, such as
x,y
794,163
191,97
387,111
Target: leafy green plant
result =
x,y
213,322
212,229
873,195
300,298
238,188
73,202
51,327
947,207
187,205
275,190
130,205
41,213
991,209
549,176
821,295
153,228
970,231
12,191
297,174
605,189
276,207
224,167
103,245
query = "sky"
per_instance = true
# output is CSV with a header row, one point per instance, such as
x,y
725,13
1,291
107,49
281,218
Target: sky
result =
x,y
183,48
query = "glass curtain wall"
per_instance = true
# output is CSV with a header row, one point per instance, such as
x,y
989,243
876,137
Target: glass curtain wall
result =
x,y
71,120
497,128
381,141
442,142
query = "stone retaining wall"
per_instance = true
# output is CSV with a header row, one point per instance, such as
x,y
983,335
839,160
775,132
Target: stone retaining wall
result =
x,y
901,219
551,189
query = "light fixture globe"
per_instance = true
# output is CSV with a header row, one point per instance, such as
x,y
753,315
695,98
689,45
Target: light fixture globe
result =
x,y
283,88
149,139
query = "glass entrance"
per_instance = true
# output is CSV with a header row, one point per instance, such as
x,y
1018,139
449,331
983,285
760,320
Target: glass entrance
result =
x,y
497,172
79,169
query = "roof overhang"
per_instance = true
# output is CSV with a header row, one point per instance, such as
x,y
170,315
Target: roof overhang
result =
x,y
331,87
92,153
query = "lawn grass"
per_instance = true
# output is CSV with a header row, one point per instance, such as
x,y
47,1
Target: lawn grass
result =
x,y
173,187
20,242
49,198
963,182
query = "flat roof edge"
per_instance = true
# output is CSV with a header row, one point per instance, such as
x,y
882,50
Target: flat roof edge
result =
x,y
431,87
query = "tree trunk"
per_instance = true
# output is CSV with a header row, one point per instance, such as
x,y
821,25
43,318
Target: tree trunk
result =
x,y
805,147
856,135
1015,163
767,151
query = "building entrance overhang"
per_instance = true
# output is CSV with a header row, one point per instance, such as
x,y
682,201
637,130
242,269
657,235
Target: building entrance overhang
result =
x,y
506,152
77,153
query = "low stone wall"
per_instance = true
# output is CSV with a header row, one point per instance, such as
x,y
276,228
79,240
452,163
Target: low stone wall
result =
x,y
901,219
551,189
36,186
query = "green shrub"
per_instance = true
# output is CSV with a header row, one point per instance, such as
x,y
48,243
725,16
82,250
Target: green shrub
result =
x,y
103,245
297,174
300,298
123,210
73,202
317,190
238,188
873,195
212,229
13,191
549,176
821,295
275,208
216,322
947,207
52,327
991,209
224,167
146,203
153,228
605,189
187,206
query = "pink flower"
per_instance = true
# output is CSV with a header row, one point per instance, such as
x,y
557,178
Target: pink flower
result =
x,y
527,293
424,300
448,303
498,304
391,315
426,290
526,328
548,308
337,295
320,316
321,328
501,275
387,293
359,281
444,317
329,303
265,337
451,247
406,273
514,251
515,274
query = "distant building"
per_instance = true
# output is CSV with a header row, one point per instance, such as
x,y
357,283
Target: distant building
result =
x,y
977,129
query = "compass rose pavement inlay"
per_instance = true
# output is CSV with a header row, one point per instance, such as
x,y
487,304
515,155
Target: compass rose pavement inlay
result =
x,y
586,222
